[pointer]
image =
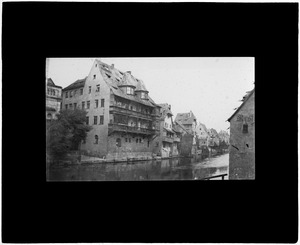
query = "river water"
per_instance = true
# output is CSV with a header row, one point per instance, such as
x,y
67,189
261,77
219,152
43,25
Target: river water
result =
x,y
167,169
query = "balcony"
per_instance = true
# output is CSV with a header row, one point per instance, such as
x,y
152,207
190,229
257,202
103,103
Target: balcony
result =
x,y
176,139
129,129
167,139
120,110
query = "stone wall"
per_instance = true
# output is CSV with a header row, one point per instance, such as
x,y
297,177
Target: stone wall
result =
x,y
242,144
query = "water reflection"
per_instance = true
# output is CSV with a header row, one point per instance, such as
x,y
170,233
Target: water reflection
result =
x,y
167,169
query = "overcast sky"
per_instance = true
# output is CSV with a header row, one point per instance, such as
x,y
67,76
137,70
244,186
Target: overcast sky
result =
x,y
209,87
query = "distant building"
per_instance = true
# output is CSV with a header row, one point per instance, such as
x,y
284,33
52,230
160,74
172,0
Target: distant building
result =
x,y
214,139
188,142
202,134
123,116
53,99
242,141
169,138
224,136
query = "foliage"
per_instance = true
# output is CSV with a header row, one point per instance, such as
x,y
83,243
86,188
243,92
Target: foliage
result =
x,y
66,133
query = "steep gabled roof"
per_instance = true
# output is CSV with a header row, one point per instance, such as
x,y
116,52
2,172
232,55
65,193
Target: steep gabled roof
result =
x,y
178,127
119,92
77,84
245,99
165,109
115,78
51,83
185,118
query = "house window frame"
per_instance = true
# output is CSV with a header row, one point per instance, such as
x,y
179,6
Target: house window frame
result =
x,y
96,139
95,120
118,142
101,122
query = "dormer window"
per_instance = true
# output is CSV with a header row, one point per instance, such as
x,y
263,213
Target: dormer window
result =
x,y
143,95
94,76
129,90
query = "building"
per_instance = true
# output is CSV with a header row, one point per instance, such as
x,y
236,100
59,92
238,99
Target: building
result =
x,y
123,116
242,143
169,138
53,99
214,139
188,141
202,134
224,137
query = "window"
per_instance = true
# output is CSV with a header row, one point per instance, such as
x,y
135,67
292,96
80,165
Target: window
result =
x,y
148,143
140,140
98,88
87,120
102,102
75,92
143,95
88,104
66,94
94,76
53,92
118,142
49,116
131,108
96,103
71,94
137,140
96,139
75,105
95,119
66,106
101,120
125,139
129,140
90,89
129,90
245,128
71,106
81,91
82,104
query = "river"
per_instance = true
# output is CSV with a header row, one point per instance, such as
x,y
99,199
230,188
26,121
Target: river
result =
x,y
166,169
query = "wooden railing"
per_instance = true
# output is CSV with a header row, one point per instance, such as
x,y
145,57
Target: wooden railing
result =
x,y
129,129
115,108
215,176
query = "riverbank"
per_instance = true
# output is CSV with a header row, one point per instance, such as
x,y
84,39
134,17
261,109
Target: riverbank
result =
x,y
179,168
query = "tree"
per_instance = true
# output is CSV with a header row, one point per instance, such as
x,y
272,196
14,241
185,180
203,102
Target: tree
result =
x,y
66,133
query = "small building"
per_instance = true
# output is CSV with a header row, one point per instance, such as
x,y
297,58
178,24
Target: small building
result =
x,y
224,137
202,134
53,99
123,116
242,140
214,139
189,122
169,138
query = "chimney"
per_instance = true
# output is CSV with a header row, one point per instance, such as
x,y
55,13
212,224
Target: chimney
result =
x,y
169,107
112,66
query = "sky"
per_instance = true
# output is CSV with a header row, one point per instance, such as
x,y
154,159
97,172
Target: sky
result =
x,y
209,87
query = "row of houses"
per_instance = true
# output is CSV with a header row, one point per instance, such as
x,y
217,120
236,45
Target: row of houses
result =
x,y
126,122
